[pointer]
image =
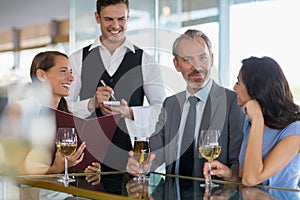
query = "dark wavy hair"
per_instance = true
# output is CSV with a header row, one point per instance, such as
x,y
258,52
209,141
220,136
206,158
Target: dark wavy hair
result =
x,y
104,3
267,84
45,61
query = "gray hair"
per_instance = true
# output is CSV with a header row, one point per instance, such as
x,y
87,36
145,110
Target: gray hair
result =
x,y
191,34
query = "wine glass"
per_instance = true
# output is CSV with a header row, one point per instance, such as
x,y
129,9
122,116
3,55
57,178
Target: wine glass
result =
x,y
209,149
141,152
66,143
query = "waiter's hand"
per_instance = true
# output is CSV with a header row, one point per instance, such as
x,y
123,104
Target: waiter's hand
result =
x,y
103,93
124,109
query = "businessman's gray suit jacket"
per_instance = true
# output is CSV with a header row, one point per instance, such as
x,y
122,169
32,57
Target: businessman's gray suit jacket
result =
x,y
221,112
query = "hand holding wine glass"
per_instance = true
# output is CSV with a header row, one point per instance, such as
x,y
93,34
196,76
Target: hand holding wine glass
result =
x,y
66,143
209,149
141,153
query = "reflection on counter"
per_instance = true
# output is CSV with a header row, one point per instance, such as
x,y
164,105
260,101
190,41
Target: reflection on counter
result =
x,y
119,185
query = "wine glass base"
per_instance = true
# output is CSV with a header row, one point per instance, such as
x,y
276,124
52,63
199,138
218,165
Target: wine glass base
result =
x,y
141,178
212,185
66,181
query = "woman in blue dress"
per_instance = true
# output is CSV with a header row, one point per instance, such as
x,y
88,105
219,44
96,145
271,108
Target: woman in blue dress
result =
x,y
270,152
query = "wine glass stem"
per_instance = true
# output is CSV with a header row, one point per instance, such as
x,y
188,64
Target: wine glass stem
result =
x,y
209,175
66,168
140,177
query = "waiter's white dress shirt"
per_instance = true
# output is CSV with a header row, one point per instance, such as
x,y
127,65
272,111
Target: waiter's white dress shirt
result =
x,y
144,116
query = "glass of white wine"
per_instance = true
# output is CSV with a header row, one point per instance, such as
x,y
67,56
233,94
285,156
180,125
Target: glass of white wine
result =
x,y
209,149
141,152
66,144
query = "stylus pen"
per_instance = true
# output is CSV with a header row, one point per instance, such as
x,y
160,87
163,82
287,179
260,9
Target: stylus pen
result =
x,y
112,96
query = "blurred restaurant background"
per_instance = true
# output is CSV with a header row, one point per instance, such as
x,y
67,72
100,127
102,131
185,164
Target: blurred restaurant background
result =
x,y
237,28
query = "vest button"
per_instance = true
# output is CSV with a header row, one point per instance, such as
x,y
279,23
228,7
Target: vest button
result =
x,y
111,80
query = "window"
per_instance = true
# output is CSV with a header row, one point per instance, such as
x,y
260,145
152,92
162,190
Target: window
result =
x,y
267,28
6,66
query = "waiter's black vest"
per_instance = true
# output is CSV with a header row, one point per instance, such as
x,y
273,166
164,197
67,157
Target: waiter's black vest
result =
x,y
127,83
